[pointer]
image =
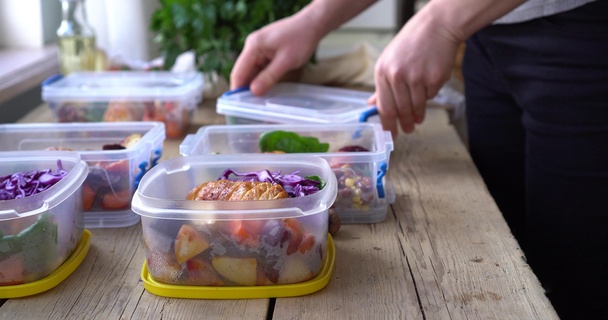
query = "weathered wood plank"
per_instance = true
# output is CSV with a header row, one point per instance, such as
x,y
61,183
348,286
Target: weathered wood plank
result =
x,y
371,279
463,258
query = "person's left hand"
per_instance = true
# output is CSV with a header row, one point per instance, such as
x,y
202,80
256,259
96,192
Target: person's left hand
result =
x,y
410,70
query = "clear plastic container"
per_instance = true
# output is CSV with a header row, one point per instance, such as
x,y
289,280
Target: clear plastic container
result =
x,y
113,174
171,98
296,103
39,232
364,192
232,243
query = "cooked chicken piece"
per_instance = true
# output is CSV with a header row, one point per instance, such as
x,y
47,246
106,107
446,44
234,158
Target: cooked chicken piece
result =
x,y
226,190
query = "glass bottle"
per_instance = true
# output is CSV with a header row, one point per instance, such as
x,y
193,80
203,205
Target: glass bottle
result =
x,y
76,38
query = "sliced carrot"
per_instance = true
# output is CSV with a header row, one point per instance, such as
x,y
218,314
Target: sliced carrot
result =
x,y
88,196
118,200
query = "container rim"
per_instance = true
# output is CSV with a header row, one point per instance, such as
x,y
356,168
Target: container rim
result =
x,y
191,85
160,208
53,196
383,139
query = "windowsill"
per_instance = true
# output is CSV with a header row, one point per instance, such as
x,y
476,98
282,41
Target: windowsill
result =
x,y
23,69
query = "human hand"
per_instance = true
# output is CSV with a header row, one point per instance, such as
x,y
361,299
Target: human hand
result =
x,y
410,70
272,51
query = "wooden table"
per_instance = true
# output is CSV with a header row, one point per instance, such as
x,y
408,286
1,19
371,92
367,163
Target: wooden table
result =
x,y
444,252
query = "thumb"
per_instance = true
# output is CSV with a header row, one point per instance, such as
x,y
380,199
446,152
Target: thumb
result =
x,y
373,100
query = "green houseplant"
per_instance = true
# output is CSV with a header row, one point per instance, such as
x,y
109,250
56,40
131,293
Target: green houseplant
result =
x,y
215,30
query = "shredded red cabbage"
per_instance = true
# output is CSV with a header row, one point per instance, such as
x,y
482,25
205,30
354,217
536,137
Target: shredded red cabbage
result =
x,y
24,184
294,184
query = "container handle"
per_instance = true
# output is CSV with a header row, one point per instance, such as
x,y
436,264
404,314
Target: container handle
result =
x,y
381,174
185,147
143,166
51,79
158,152
368,113
237,90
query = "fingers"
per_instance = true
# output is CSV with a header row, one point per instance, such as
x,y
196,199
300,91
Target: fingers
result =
x,y
399,102
271,74
418,102
386,106
245,68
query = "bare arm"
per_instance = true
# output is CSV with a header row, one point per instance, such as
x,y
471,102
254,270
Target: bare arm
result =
x,y
287,44
419,60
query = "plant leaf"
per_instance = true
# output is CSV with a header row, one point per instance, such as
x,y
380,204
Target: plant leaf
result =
x,y
290,142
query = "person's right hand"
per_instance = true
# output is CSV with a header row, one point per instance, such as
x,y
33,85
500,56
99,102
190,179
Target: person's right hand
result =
x,y
272,51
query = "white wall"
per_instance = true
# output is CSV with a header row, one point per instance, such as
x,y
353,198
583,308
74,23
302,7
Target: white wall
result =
x,y
381,15
21,24
122,27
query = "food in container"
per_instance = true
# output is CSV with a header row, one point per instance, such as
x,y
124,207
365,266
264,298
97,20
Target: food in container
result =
x,y
171,98
233,243
38,230
358,154
118,154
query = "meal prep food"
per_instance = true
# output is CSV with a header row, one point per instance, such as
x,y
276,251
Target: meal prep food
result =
x,y
171,98
237,223
358,154
118,155
41,214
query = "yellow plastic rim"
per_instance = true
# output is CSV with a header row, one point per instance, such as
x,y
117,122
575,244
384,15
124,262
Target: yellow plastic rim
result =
x,y
53,279
246,292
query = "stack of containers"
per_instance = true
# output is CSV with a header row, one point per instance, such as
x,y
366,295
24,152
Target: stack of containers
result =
x,y
218,249
168,97
332,115
42,237
117,153
358,154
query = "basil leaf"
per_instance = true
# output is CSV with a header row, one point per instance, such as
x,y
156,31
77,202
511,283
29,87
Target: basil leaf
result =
x,y
290,142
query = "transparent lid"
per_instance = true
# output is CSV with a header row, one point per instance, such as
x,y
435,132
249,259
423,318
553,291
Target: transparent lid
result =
x,y
296,103
124,85
161,192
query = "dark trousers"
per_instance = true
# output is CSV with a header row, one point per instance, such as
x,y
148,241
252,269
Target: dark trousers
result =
x,y
537,114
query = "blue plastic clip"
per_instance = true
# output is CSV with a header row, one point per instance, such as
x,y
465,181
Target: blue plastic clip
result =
x,y
237,90
158,152
51,79
142,170
368,113
381,174
363,118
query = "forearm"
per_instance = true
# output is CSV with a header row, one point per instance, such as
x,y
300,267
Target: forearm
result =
x,y
325,16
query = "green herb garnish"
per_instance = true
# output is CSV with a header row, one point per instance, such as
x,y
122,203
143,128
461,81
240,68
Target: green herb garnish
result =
x,y
290,142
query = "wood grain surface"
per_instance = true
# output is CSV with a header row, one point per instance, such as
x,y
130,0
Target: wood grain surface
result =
x,y
444,252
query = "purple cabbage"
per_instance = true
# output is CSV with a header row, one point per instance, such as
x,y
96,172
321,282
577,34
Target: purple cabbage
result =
x,y
24,184
294,184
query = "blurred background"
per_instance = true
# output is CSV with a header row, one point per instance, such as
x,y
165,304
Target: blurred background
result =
x,y
28,51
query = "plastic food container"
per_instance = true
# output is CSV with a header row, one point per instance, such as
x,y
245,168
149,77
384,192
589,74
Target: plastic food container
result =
x,y
113,174
296,103
171,98
358,154
39,232
232,243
